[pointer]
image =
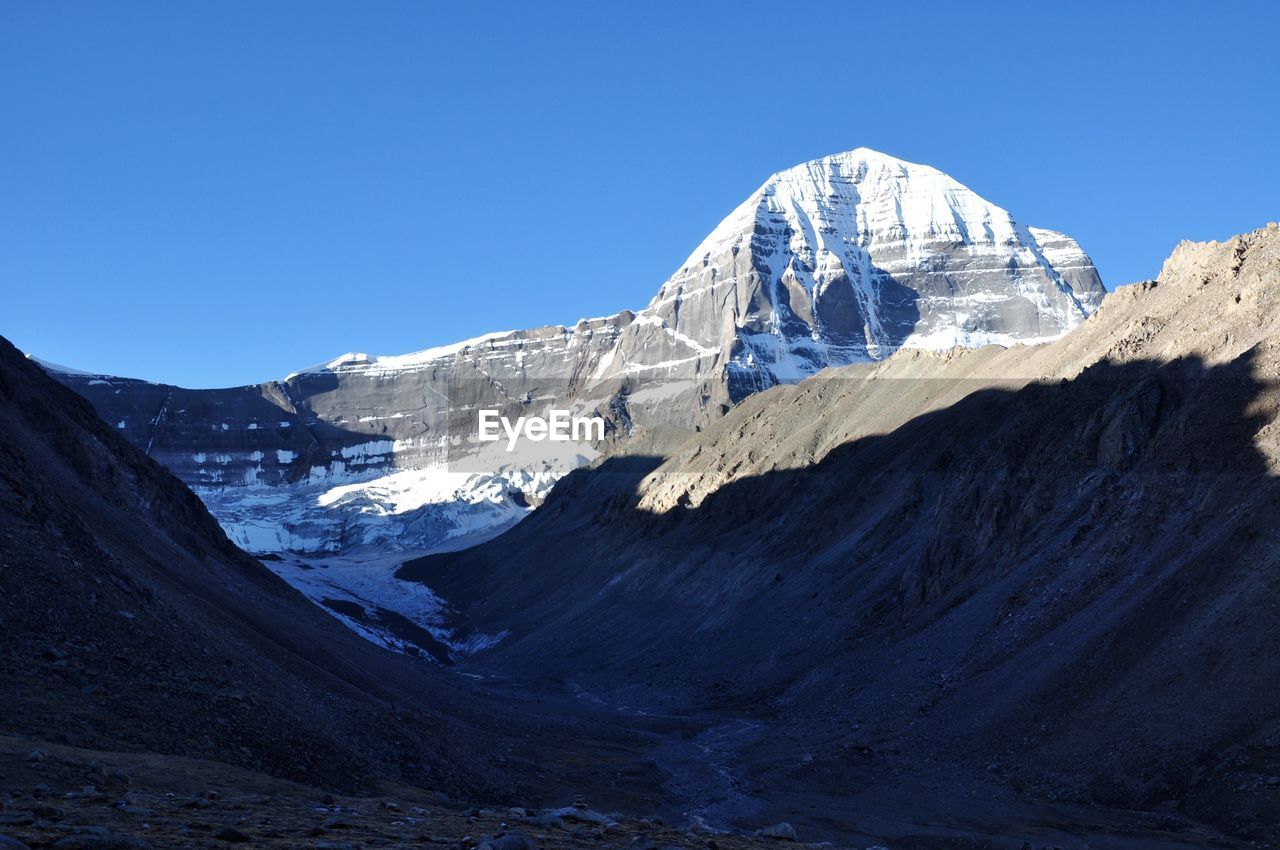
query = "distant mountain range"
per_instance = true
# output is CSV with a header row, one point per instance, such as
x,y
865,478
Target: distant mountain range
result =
x,y
841,260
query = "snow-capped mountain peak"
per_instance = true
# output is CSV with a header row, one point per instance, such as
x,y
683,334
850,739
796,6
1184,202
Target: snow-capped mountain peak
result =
x,y
855,255
859,194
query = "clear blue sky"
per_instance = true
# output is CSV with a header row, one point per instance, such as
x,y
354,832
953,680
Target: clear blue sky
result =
x,y
219,193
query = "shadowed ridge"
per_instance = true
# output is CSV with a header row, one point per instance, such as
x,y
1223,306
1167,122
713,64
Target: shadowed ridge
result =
x,y
1051,570
1039,578
131,622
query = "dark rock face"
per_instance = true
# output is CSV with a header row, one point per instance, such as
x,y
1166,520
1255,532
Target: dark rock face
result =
x,y
840,260
353,415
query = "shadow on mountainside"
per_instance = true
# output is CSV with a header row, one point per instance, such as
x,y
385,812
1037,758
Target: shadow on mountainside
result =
x,y
1068,590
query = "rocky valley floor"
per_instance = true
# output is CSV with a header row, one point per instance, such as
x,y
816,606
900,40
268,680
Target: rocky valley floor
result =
x,y
59,796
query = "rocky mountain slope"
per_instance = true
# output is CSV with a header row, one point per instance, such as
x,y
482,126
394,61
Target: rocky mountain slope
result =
x,y
840,260
1051,570
129,622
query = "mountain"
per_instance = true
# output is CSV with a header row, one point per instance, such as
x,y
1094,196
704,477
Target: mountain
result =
x,y
1047,571
840,260
843,260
